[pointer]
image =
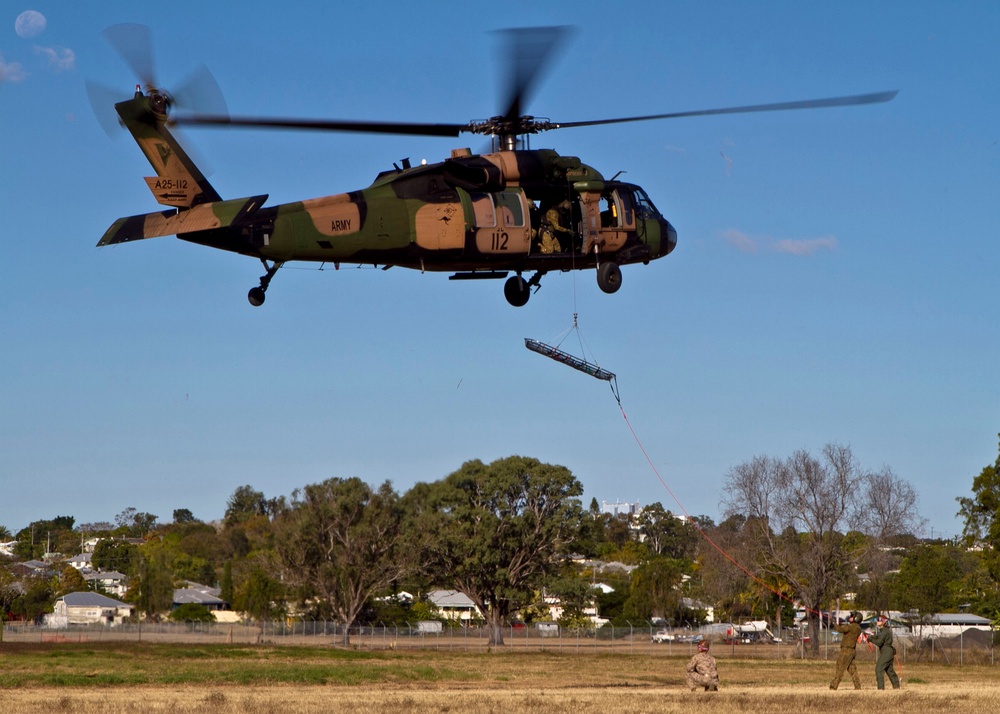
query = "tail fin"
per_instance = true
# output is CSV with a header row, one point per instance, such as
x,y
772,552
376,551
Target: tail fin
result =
x,y
178,182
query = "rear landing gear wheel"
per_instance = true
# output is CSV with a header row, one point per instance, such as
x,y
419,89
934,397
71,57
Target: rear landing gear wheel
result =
x,y
517,291
609,277
256,295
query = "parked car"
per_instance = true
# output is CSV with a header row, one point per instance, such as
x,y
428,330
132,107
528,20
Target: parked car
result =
x,y
662,636
691,638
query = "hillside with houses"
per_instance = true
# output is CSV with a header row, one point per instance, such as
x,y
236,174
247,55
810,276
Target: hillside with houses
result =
x,y
511,544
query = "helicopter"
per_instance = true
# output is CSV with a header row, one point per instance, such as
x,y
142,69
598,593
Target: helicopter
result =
x,y
512,213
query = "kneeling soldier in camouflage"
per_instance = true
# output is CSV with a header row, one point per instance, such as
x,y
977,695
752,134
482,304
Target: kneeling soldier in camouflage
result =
x,y
701,671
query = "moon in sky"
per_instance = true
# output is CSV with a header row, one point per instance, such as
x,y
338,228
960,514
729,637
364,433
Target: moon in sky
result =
x,y
29,23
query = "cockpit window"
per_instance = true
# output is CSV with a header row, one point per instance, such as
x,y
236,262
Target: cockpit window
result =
x,y
643,206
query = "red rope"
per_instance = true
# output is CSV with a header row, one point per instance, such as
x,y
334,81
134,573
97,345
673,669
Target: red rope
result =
x,y
711,542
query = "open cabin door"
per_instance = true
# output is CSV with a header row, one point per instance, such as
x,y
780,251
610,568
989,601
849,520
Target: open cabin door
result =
x,y
616,218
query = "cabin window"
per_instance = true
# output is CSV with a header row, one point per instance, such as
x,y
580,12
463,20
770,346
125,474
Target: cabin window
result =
x,y
511,209
482,207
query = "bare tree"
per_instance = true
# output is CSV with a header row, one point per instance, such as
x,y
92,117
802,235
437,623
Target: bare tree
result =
x,y
889,507
797,511
889,511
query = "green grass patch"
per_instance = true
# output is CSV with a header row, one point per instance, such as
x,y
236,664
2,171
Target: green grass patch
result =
x,y
168,664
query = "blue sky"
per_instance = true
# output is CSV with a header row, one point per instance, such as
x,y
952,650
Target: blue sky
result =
x,y
834,281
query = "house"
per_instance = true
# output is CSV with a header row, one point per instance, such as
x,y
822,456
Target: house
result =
x,y
32,568
87,609
199,595
556,610
111,581
692,604
80,562
453,604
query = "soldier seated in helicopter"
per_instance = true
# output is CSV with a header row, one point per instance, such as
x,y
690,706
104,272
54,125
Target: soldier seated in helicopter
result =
x,y
554,236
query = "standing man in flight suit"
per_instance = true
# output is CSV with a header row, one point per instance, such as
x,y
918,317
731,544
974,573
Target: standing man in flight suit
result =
x,y
886,654
848,648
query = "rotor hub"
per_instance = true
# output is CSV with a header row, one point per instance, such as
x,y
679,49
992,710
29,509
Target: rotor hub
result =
x,y
160,101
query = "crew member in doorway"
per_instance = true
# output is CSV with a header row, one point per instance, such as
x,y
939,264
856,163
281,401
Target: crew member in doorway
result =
x,y
552,227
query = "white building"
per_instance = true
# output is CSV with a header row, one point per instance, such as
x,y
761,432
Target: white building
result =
x,y
950,624
453,605
620,508
110,581
87,609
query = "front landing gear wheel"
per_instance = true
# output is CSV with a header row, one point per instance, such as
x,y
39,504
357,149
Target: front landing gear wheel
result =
x,y
256,296
609,277
517,291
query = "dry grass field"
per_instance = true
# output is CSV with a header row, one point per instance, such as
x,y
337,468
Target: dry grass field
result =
x,y
120,679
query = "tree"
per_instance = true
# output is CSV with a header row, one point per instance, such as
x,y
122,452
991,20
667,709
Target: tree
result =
x,y
244,504
888,514
35,599
717,580
70,581
184,515
494,532
153,592
981,514
132,523
667,535
39,537
653,591
797,510
226,584
10,590
259,595
889,508
191,612
114,554
927,579
339,540
575,596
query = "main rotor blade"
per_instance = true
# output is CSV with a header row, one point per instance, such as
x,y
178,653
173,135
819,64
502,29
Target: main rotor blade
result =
x,y
370,127
529,49
201,92
875,98
134,44
102,101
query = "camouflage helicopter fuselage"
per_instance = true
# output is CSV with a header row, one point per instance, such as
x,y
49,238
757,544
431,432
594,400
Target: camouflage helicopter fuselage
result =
x,y
479,216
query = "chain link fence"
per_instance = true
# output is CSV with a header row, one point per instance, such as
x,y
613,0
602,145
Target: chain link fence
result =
x,y
971,647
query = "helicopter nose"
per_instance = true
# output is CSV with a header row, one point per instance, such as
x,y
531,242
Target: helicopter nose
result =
x,y
670,243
